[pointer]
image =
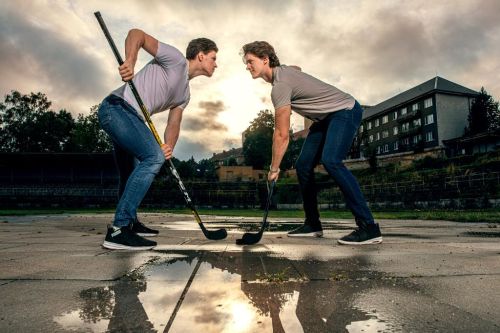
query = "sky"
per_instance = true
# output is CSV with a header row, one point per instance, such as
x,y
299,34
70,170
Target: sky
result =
x,y
372,50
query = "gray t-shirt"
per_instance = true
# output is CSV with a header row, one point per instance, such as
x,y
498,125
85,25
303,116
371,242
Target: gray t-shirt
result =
x,y
162,84
308,96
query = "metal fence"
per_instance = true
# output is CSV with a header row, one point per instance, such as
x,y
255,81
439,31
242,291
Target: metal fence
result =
x,y
476,190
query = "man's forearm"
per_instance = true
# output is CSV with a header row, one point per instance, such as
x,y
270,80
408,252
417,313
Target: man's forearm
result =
x,y
280,144
172,135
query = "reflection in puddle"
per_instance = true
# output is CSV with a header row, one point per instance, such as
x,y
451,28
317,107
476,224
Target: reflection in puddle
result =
x,y
368,326
208,292
95,313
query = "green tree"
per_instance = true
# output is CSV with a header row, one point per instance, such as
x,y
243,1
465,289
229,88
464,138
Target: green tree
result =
x,y
257,147
230,162
484,114
28,125
87,135
187,169
207,169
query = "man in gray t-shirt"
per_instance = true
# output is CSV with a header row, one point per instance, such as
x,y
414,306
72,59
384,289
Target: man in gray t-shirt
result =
x,y
163,84
336,117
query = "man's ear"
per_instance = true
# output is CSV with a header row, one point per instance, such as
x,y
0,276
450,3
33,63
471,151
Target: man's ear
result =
x,y
265,60
200,56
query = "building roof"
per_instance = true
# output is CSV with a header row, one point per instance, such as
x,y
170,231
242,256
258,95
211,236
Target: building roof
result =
x,y
233,152
435,85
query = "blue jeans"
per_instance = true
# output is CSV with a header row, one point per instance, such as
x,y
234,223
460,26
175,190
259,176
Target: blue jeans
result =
x,y
328,142
137,154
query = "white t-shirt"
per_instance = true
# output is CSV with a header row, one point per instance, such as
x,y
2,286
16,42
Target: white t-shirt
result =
x,y
163,83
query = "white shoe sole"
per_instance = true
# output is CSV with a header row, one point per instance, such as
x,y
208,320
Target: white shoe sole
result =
x,y
146,235
377,240
310,234
115,246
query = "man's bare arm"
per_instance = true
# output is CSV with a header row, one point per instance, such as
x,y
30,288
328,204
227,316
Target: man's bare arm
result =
x,y
136,39
281,137
172,131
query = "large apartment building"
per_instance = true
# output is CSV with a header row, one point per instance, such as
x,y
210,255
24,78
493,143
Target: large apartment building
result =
x,y
415,120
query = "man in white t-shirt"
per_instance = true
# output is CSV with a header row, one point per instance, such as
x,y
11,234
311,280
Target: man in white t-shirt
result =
x,y
163,84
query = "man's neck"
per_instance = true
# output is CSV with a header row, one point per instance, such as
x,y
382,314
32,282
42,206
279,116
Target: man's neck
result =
x,y
193,70
268,75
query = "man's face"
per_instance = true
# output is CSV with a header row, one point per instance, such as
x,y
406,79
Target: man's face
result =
x,y
255,65
208,62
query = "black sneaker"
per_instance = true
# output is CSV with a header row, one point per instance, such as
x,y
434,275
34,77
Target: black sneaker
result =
x,y
140,229
364,234
124,239
306,230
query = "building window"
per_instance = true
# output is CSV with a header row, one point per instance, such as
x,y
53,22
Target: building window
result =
x,y
395,130
378,150
429,119
377,122
417,122
405,127
417,138
428,103
395,115
414,107
406,141
429,137
396,146
385,134
385,119
370,139
369,126
403,111
361,128
386,148
378,136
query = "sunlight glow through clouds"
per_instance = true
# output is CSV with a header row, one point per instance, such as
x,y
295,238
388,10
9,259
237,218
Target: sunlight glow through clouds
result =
x,y
369,49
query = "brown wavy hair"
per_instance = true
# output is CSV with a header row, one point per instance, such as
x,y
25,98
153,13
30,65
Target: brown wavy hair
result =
x,y
262,49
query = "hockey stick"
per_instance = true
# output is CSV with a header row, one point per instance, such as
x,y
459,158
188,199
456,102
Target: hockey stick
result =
x,y
210,234
250,238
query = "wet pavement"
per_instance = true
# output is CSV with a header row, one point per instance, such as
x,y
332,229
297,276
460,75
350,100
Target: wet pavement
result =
x,y
427,276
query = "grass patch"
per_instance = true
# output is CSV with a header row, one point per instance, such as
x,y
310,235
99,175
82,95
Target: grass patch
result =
x,y
274,277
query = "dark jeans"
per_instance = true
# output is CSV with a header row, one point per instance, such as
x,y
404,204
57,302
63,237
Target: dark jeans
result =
x,y
329,142
137,154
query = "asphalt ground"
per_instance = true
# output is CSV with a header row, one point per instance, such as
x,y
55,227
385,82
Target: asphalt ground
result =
x,y
427,276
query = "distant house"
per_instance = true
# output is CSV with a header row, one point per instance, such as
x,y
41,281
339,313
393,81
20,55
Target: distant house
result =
x,y
473,144
240,173
418,119
225,157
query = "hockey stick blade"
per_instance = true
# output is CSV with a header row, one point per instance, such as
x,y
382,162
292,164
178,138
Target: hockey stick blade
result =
x,y
217,234
249,238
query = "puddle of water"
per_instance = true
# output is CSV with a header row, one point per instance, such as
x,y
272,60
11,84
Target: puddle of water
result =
x,y
95,314
210,293
367,326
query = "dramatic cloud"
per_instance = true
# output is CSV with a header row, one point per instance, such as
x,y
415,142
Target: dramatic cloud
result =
x,y
187,148
206,120
33,58
370,49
